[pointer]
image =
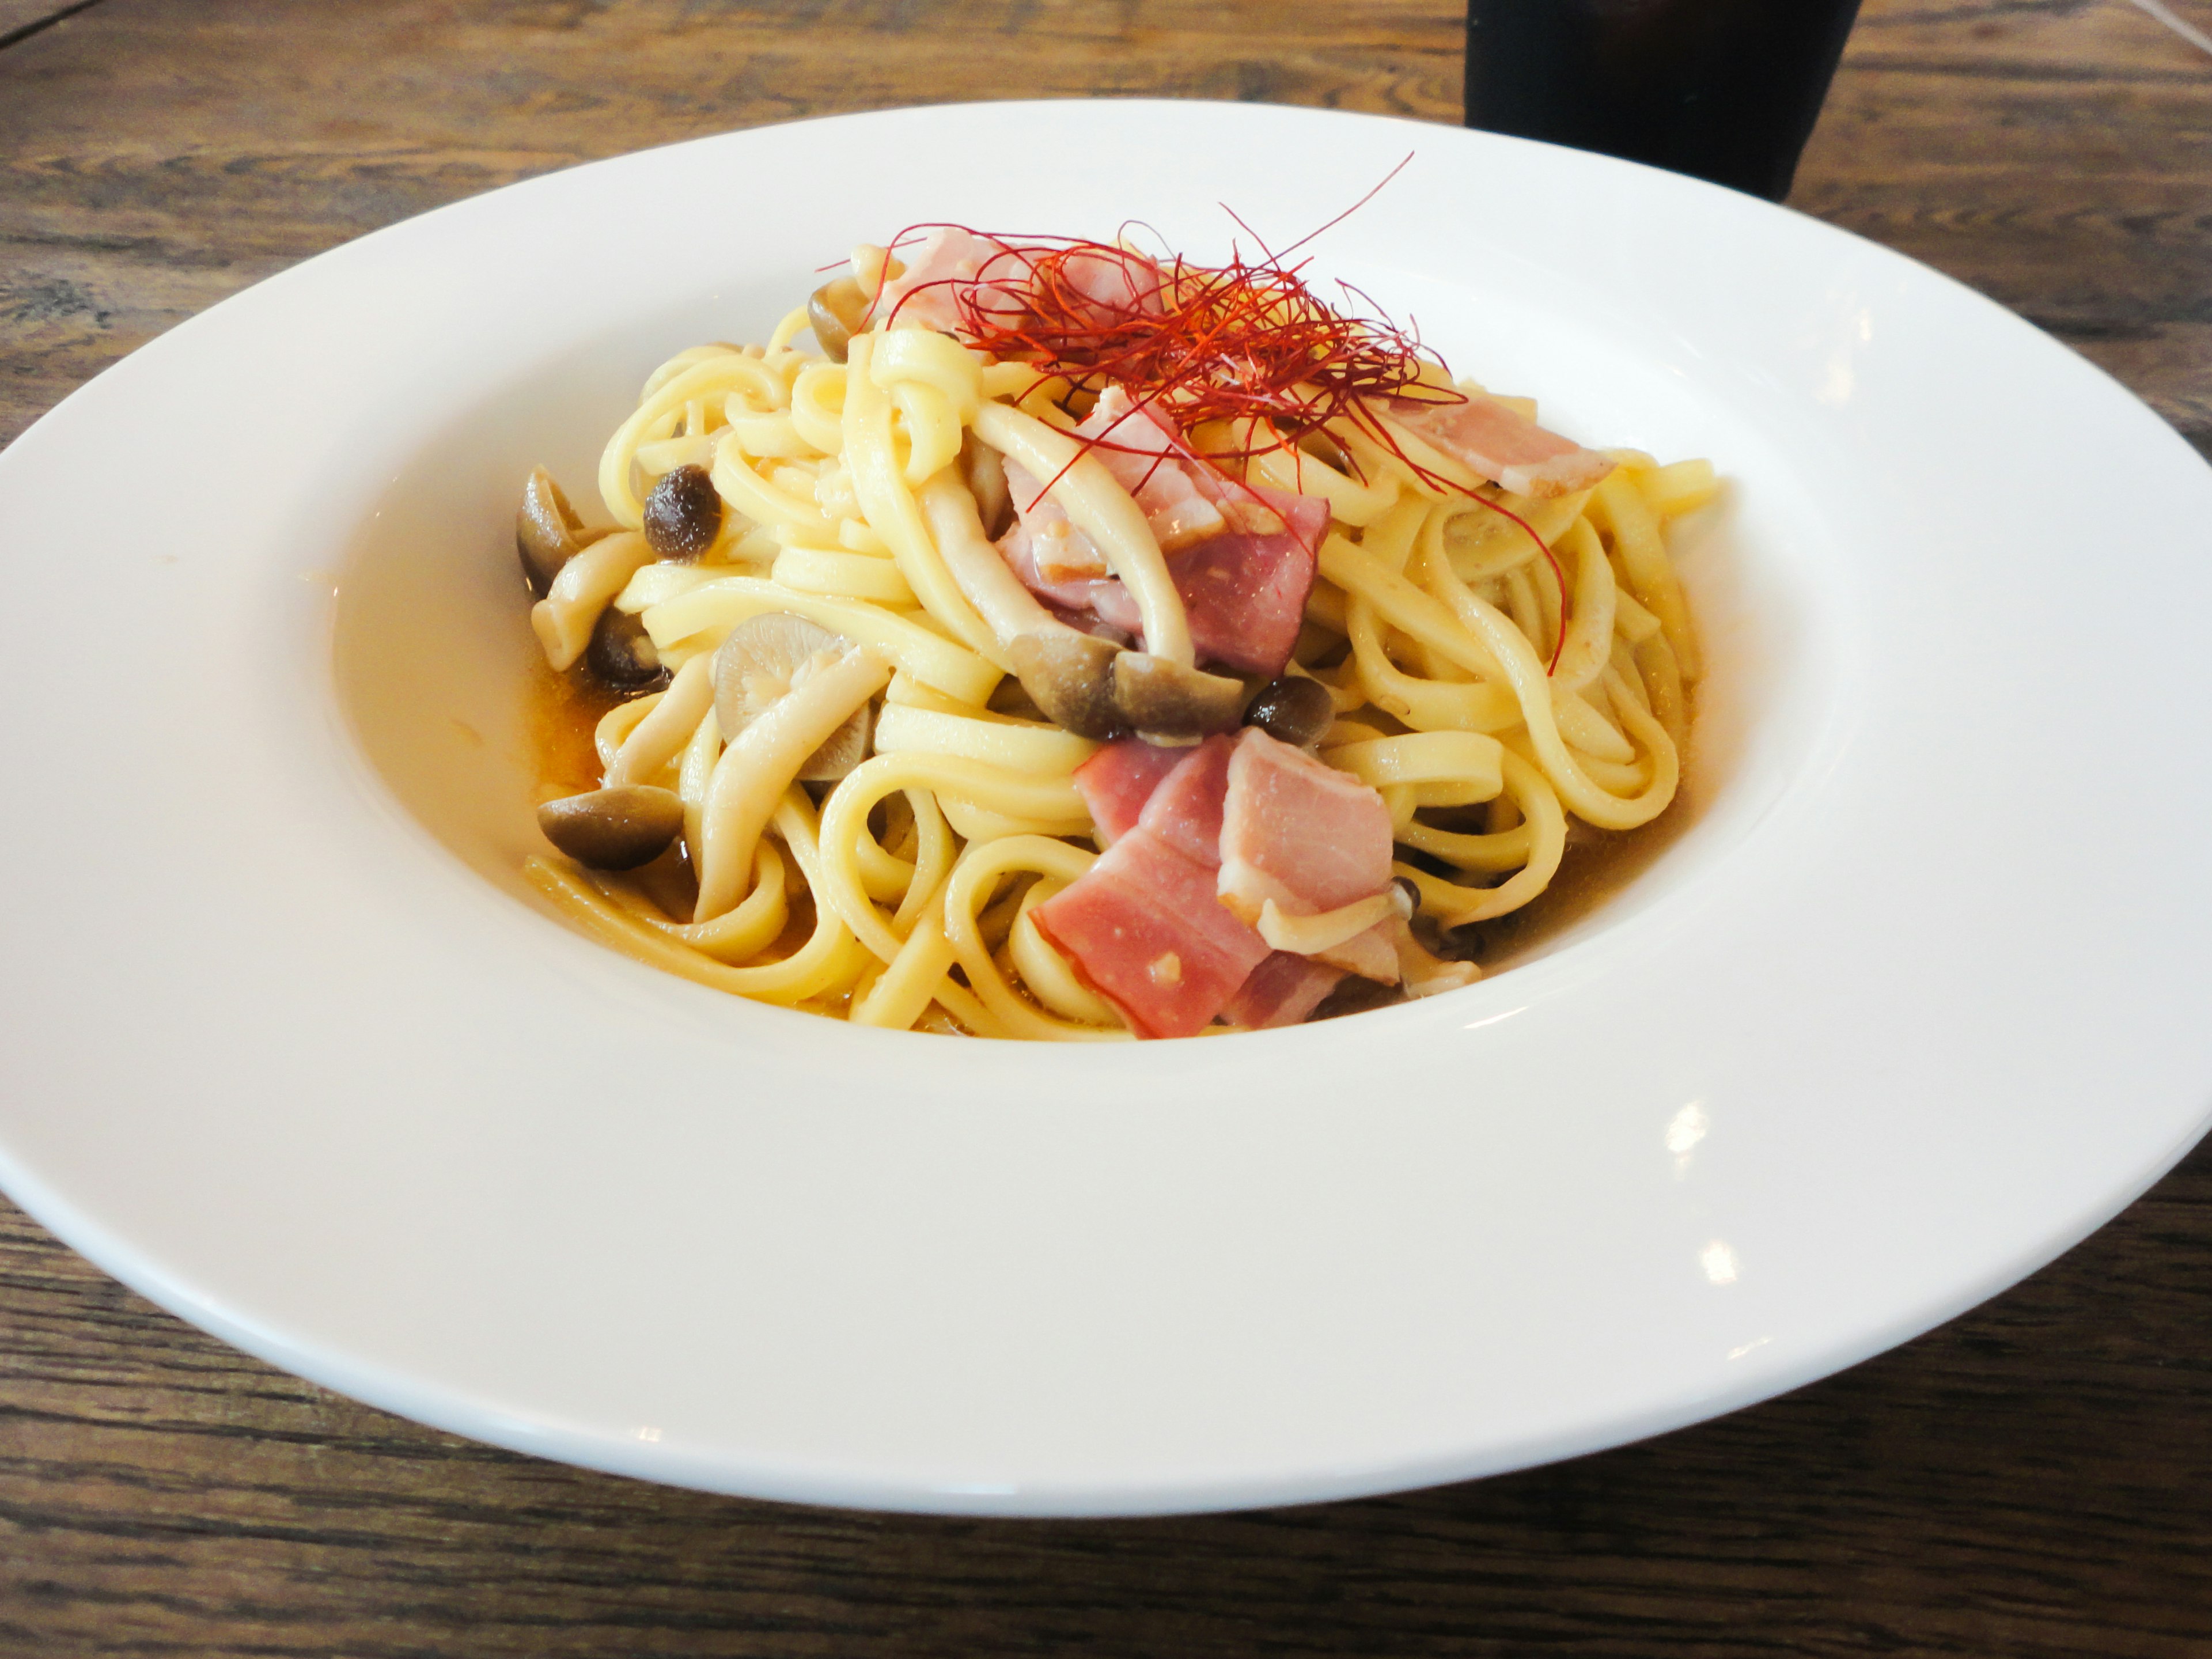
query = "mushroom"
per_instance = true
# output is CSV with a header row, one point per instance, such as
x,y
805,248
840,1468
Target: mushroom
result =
x,y
985,470
615,829
836,312
622,652
1292,710
1162,699
547,531
682,514
767,656
1069,676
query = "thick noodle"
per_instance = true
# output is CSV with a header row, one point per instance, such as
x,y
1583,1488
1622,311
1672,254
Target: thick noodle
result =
x,y
1493,690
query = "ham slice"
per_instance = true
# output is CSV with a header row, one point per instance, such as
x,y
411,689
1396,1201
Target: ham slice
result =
x,y
1242,556
1185,810
1281,991
926,295
1298,833
1244,594
948,264
1143,926
1053,547
1116,782
1152,926
1503,445
1184,498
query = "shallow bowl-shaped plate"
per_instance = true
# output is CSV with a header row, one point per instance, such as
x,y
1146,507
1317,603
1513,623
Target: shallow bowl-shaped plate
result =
x,y
1915,1002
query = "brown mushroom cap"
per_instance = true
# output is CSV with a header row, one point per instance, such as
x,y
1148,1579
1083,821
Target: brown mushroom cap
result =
x,y
1292,710
1159,698
547,531
1069,676
761,660
682,514
615,829
836,312
621,653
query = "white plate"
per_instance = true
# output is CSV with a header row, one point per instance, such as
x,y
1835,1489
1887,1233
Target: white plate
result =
x,y
1918,1002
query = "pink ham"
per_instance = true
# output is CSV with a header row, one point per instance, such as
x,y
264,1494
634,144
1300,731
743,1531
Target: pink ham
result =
x,y
1281,991
1503,445
1148,926
1298,832
1116,282
950,262
1185,810
1244,594
927,294
1180,493
1117,781
1181,496
1143,926
1054,547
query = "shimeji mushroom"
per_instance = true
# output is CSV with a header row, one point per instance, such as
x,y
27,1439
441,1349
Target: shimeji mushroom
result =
x,y
1292,710
547,531
682,514
621,653
792,700
574,570
763,659
837,311
618,828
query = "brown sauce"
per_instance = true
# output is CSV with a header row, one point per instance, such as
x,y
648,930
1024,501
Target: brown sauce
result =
x,y
562,712
1598,864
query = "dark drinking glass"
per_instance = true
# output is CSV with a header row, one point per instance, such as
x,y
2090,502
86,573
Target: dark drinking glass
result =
x,y
1724,89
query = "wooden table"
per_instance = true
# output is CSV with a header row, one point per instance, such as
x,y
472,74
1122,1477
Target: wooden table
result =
x,y
2034,1479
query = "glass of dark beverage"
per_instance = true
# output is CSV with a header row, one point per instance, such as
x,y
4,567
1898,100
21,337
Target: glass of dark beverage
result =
x,y
1724,89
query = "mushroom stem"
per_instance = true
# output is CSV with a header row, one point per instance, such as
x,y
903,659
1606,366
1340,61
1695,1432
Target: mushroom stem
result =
x,y
1067,673
1102,510
564,618
760,764
996,593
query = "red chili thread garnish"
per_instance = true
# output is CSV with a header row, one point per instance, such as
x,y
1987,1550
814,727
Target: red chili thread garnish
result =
x,y
1244,341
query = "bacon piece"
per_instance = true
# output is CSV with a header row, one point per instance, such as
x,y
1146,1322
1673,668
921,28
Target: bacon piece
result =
x,y
1143,926
1116,782
1113,282
1300,833
1503,445
1244,594
1178,491
1152,926
1185,809
1059,553
926,295
950,263
1281,991
1174,489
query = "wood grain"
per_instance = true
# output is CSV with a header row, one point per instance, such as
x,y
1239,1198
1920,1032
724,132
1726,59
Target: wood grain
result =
x,y
2031,1481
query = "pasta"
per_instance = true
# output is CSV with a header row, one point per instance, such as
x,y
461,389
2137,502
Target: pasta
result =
x,y
945,646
